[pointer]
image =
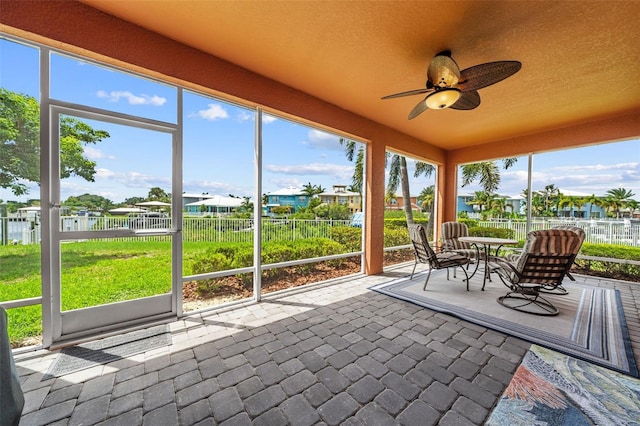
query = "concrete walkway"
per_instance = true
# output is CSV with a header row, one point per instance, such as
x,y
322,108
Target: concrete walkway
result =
x,y
334,353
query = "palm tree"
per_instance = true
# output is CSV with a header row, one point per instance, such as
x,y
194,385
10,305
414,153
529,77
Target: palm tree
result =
x,y
487,172
593,201
351,153
499,205
618,198
480,198
551,195
246,205
579,203
568,201
633,205
426,197
312,190
398,175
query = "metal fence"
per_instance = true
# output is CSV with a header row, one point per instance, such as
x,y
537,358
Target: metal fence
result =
x,y
214,229
211,229
622,232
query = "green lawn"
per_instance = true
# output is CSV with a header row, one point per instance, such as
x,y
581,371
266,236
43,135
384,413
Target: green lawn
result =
x,y
93,273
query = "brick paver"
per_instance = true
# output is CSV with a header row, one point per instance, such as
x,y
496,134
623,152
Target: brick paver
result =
x,y
334,354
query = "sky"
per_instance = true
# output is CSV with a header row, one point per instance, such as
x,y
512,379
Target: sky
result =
x,y
218,142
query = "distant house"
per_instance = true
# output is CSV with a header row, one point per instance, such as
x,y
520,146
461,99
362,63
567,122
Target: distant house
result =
x,y
215,204
340,195
518,204
513,204
188,198
397,203
290,196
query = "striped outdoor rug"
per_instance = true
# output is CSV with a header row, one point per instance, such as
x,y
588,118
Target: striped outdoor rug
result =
x,y
590,326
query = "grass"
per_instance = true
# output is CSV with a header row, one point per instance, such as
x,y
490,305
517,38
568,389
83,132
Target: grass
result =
x,y
93,273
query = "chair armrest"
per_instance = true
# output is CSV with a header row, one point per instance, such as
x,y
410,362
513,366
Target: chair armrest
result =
x,y
505,269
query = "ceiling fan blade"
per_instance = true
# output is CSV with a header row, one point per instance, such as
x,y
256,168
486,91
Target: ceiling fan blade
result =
x,y
484,75
443,70
408,93
468,100
418,109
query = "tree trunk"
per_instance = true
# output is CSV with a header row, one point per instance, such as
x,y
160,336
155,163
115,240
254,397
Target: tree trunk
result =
x,y
406,195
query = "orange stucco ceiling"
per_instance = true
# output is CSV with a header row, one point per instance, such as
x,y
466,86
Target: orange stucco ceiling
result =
x,y
580,60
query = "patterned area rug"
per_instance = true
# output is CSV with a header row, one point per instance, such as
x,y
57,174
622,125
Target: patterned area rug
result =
x,y
104,351
554,389
591,324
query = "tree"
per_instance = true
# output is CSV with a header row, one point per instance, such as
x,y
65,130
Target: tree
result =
x,y
593,201
633,205
246,205
158,194
426,197
20,143
551,195
617,199
568,202
488,173
480,199
352,151
312,190
132,201
398,175
90,202
333,211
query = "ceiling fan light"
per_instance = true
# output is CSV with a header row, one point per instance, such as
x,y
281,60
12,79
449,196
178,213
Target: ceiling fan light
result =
x,y
444,98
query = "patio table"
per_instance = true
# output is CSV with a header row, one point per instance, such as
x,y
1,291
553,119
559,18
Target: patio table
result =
x,y
486,243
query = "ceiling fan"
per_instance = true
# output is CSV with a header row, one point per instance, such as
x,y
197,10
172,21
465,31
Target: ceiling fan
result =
x,y
448,87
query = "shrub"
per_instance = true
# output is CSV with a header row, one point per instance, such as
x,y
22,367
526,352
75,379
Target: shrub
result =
x,y
401,222
485,231
210,262
396,236
610,269
347,236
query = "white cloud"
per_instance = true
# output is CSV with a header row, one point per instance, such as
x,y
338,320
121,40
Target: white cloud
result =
x,y
133,179
322,140
115,96
213,112
96,154
287,182
268,119
214,187
312,169
244,116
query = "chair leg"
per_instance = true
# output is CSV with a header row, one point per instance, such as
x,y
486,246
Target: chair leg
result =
x,y
557,290
414,269
532,300
427,280
466,275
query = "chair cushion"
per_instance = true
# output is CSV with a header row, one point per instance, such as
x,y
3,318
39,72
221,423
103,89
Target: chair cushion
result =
x,y
451,231
550,241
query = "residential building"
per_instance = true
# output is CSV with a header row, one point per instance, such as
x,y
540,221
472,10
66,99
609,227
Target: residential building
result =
x,y
340,195
291,196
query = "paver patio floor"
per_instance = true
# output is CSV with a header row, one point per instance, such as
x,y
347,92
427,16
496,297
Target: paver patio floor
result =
x,y
331,353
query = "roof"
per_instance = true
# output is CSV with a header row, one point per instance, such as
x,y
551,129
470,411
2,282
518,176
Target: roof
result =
x,y
218,200
290,190
580,60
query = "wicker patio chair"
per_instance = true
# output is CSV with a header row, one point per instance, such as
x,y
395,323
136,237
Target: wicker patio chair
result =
x,y
544,262
435,258
581,235
451,231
